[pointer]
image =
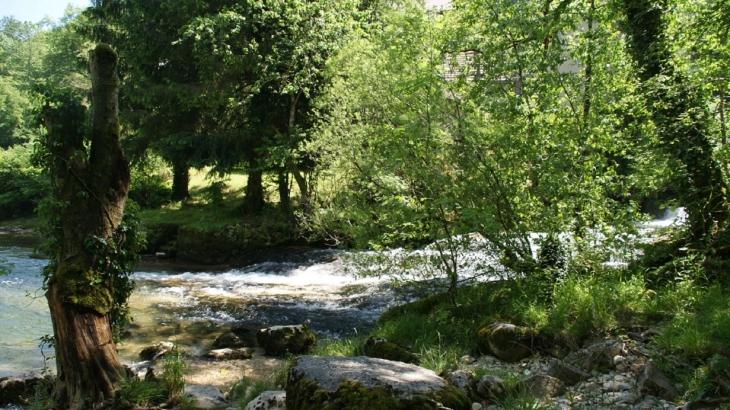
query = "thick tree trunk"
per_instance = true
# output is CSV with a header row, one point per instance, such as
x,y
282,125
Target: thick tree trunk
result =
x,y
180,181
95,191
253,201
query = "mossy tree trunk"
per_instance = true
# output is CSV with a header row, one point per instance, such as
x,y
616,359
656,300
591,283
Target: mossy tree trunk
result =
x,y
680,116
93,189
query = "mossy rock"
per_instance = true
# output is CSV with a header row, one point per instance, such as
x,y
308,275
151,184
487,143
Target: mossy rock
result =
x,y
422,306
280,340
506,341
364,383
19,390
381,348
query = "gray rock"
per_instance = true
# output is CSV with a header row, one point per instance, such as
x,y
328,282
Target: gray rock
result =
x,y
464,381
268,400
652,381
229,354
340,383
207,397
541,386
490,386
599,356
155,352
569,374
279,340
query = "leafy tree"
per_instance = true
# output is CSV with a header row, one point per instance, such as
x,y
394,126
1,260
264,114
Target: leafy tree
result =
x,y
680,114
500,118
267,67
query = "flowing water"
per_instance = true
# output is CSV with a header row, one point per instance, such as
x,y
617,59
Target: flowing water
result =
x,y
191,308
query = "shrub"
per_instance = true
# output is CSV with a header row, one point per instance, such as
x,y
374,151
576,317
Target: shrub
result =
x,y
22,185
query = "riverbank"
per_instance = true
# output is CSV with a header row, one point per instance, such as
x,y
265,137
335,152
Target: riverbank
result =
x,y
682,325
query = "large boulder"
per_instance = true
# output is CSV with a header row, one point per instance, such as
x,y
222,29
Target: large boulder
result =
x,y
280,340
268,400
382,348
506,341
365,383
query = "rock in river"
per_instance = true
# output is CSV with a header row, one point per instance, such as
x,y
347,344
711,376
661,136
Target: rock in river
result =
x,y
278,340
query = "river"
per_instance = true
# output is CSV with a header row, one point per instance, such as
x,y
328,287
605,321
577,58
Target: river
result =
x,y
192,307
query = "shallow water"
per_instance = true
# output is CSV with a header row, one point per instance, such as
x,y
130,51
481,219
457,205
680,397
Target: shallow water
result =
x,y
24,316
192,308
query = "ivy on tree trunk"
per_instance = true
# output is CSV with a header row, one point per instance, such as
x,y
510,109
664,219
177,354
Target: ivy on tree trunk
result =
x,y
90,191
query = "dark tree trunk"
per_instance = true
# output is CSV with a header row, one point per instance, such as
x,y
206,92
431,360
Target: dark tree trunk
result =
x,y
681,117
180,181
284,200
253,201
95,188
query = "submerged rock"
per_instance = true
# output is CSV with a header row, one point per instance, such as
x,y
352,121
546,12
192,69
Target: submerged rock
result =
x,y
268,400
339,383
279,340
157,351
230,354
382,348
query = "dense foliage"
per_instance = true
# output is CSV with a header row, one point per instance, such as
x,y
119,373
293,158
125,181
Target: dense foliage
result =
x,y
540,133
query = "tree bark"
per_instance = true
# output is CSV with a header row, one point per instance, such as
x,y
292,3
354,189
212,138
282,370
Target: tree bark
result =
x,y
94,190
180,181
284,198
253,201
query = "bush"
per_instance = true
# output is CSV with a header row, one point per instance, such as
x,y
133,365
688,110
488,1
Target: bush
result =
x,y
22,185
150,185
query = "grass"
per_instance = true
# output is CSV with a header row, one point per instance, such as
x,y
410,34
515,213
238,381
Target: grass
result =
x,y
173,374
145,393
